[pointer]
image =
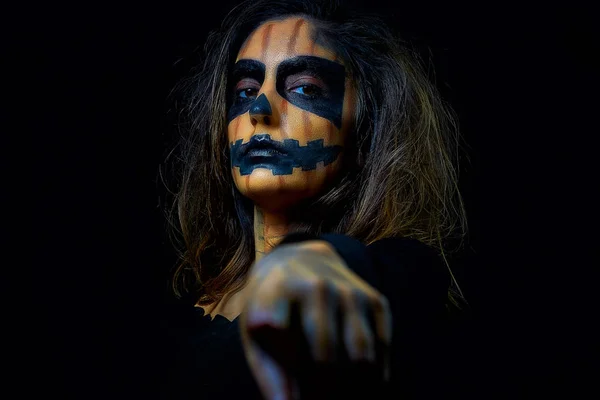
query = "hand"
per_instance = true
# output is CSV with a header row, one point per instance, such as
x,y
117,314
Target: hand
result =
x,y
309,322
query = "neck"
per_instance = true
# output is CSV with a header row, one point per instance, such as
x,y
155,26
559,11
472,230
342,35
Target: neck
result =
x,y
269,230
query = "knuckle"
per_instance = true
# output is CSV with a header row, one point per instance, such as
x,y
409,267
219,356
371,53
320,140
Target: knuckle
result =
x,y
343,291
309,286
354,293
361,298
351,296
319,285
380,303
275,281
363,342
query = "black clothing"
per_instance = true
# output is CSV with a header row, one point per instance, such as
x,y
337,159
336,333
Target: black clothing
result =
x,y
209,363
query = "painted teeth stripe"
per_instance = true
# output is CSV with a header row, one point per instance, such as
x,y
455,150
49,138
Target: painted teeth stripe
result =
x,y
304,157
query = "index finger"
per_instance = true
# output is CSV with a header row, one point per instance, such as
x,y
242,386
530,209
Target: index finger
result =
x,y
274,381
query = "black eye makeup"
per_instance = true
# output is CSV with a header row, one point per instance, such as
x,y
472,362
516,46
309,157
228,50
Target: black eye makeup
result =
x,y
318,86
246,89
305,85
246,77
248,69
313,84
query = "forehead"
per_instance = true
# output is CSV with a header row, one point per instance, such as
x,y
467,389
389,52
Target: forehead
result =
x,y
277,40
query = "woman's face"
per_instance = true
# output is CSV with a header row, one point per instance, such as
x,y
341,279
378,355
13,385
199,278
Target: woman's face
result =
x,y
291,111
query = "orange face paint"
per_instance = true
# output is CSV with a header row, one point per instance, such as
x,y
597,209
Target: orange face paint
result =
x,y
273,45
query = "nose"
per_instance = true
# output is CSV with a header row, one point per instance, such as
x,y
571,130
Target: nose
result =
x,y
260,111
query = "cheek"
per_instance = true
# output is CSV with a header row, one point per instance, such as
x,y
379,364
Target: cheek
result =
x,y
233,129
306,127
349,111
296,124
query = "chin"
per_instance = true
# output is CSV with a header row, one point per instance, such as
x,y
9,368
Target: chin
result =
x,y
277,192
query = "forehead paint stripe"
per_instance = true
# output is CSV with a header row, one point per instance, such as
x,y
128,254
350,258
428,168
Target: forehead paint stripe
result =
x,y
266,38
311,51
248,183
294,37
242,51
306,46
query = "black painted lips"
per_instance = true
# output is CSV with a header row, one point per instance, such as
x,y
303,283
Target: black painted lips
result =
x,y
265,143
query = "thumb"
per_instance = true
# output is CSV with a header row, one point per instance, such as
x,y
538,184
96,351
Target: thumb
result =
x,y
274,381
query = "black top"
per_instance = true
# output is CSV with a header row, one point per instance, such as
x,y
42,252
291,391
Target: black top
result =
x,y
207,356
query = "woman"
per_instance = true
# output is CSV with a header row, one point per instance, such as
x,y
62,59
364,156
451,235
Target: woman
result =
x,y
316,200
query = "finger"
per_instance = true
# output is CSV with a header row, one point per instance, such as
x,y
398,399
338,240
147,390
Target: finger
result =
x,y
270,305
272,317
319,325
382,316
274,381
359,339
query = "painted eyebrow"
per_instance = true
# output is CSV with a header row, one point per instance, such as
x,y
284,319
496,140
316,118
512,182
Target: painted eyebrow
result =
x,y
319,66
247,68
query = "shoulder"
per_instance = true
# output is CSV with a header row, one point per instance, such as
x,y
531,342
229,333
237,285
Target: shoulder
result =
x,y
389,264
406,263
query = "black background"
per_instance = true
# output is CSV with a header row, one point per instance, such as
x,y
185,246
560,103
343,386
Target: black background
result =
x,y
88,102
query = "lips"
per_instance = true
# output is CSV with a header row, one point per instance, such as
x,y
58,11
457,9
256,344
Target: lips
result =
x,y
262,145
263,153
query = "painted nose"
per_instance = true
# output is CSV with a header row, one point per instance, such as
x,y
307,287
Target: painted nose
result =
x,y
260,111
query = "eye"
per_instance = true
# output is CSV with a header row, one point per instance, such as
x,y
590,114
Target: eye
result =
x,y
246,89
246,93
307,90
